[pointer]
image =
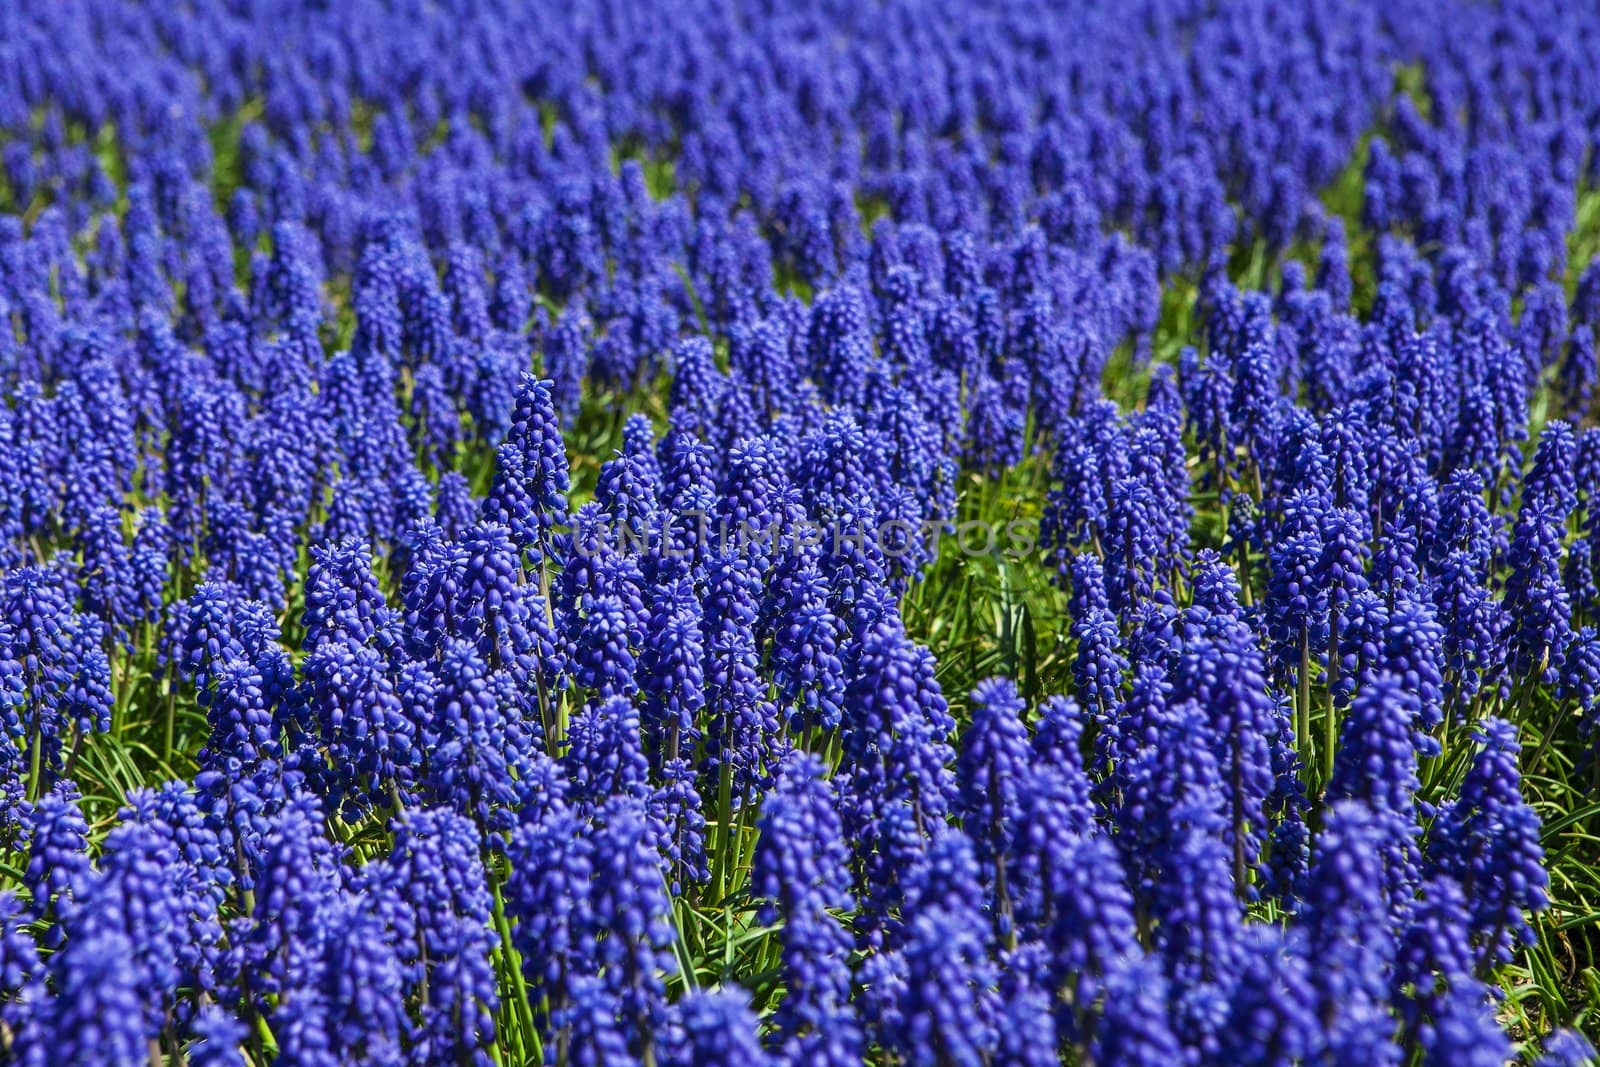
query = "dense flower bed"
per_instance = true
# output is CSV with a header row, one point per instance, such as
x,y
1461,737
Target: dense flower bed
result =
x,y
922,532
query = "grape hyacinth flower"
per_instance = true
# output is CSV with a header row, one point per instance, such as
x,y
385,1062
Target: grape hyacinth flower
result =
x,y
801,867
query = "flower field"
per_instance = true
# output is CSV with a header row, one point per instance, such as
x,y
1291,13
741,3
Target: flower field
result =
x,y
924,532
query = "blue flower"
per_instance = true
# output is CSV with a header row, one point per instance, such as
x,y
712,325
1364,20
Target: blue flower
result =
x,y
432,887
630,917
1350,935
1100,660
529,493
1566,1048
1488,837
800,868
547,894
990,770
96,1014
1465,1034
948,1011
1273,1018
718,1030
1135,1028
218,1040
58,848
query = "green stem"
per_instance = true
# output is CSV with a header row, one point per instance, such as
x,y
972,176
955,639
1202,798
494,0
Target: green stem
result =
x,y
35,761
519,985
724,829
1330,728
170,721
1303,700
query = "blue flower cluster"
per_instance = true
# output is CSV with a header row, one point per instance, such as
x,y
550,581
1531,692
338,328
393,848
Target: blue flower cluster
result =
x,y
380,381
